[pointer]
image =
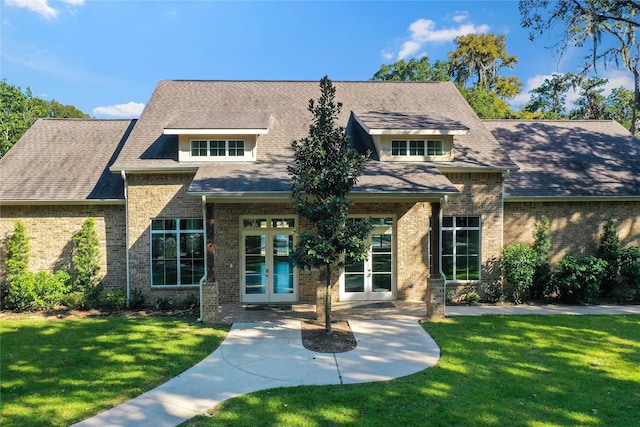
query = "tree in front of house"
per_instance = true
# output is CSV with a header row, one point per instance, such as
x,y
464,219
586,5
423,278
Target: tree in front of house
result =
x,y
18,111
325,170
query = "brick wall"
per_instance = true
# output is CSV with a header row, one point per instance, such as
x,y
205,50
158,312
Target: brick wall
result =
x,y
51,230
152,196
575,226
481,196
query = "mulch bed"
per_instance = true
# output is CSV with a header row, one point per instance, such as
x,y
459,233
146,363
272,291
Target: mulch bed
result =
x,y
316,338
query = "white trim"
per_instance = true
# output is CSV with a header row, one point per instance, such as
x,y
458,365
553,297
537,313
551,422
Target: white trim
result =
x,y
417,132
205,131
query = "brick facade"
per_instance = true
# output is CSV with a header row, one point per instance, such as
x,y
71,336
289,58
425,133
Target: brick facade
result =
x,y
51,229
481,195
154,197
575,226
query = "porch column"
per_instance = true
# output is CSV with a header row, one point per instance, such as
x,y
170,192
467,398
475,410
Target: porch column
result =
x,y
435,283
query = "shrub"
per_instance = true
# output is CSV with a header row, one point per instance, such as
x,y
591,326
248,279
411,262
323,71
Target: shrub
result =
x,y
190,302
630,267
473,297
542,247
578,279
164,304
38,291
86,264
449,296
116,299
518,265
609,250
137,299
17,252
495,292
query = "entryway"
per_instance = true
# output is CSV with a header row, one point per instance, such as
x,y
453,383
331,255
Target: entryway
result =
x,y
268,274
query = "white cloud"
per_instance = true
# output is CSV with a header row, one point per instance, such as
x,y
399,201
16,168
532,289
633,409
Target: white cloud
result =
x,y
130,109
424,31
41,7
460,17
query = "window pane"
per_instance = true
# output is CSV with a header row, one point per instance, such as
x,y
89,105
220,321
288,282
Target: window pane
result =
x,y
198,148
447,221
447,266
254,223
381,283
381,242
434,147
354,283
217,148
416,148
398,148
191,224
381,263
236,148
283,223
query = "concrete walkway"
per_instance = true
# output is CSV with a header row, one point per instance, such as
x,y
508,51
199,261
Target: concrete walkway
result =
x,y
478,310
257,356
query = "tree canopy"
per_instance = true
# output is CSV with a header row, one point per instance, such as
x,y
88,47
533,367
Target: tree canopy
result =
x,y
19,110
414,70
609,28
324,171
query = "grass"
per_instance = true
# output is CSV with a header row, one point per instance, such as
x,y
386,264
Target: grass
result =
x,y
494,371
57,372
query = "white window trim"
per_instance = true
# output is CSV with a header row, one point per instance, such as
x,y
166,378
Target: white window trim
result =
x,y
454,228
407,147
178,231
227,142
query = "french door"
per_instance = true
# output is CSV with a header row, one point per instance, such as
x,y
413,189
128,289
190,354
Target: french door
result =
x,y
374,278
268,274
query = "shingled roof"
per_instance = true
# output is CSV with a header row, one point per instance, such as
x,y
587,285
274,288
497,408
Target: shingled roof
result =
x,y
64,160
286,102
565,159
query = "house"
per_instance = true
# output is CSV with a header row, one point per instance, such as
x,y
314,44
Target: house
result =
x,y
199,184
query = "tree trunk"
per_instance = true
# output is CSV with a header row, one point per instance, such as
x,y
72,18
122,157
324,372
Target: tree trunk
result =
x,y
327,301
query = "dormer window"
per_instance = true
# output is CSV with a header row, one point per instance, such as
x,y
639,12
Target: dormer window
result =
x,y
217,148
413,147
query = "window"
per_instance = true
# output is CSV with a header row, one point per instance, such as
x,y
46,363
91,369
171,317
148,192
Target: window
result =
x,y
398,148
461,247
177,252
416,148
434,147
217,148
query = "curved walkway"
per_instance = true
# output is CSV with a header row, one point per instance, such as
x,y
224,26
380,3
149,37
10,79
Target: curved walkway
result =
x,y
257,356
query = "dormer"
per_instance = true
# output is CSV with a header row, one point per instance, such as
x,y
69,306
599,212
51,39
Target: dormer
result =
x,y
218,136
410,137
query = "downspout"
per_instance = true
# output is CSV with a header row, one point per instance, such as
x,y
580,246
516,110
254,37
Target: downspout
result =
x,y
204,246
123,174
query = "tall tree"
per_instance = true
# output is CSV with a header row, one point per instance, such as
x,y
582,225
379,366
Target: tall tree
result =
x,y
18,111
591,104
620,106
608,27
549,98
325,170
414,70
479,58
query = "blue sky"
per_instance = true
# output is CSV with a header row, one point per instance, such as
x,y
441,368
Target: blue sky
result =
x,y
106,57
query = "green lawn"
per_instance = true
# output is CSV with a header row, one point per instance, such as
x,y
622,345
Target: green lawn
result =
x,y
56,372
494,371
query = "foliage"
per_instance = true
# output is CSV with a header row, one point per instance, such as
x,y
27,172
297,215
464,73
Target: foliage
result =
x,y
18,111
487,105
518,264
137,299
609,250
86,264
578,279
116,299
610,28
17,252
42,290
414,71
620,106
591,104
325,170
542,249
478,58
493,371
472,297
549,98
61,371
630,267
164,303
190,302
495,292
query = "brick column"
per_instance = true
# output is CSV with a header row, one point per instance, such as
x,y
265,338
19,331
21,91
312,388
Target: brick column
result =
x,y
435,298
435,283
210,300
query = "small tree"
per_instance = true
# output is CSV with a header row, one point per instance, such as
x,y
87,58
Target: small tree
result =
x,y
518,264
541,247
17,252
325,170
86,264
609,250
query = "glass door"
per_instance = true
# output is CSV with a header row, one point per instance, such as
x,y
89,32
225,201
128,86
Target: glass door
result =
x,y
373,278
268,274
